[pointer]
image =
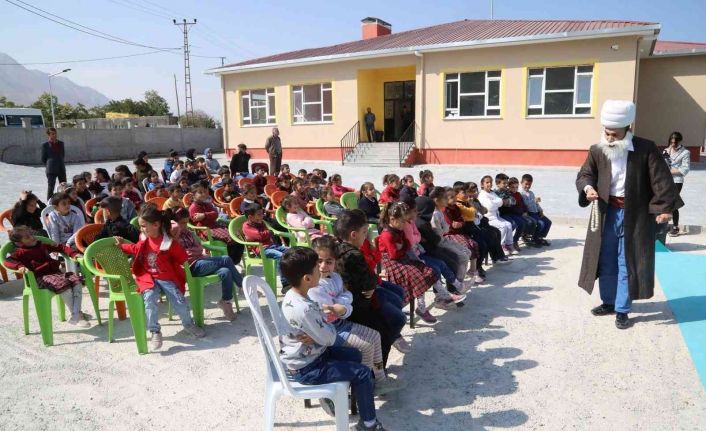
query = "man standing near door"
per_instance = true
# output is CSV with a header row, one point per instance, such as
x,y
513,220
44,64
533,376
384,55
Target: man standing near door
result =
x,y
369,120
273,146
53,160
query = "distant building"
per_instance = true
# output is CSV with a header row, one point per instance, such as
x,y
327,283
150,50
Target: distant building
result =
x,y
475,91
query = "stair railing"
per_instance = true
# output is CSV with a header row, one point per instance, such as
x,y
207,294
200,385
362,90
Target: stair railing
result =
x,y
349,141
406,142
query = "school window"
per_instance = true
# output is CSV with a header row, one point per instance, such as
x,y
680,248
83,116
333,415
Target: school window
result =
x,y
472,94
258,106
312,103
559,90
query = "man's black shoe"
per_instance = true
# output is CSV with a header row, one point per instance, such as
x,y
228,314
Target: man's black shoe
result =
x,y
622,321
603,310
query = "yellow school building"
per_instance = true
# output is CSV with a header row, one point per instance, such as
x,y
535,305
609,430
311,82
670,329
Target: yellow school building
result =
x,y
473,91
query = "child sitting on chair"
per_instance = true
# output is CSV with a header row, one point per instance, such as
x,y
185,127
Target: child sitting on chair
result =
x,y
176,197
308,349
256,230
115,224
64,223
296,217
32,255
331,205
203,213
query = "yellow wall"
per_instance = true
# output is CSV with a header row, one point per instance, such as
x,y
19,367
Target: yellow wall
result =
x,y
346,109
614,73
672,97
357,84
371,91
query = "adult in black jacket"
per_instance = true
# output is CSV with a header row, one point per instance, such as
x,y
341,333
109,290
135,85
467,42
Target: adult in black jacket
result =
x,y
53,160
240,161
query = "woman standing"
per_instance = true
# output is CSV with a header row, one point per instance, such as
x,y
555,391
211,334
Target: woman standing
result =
x,y
678,159
53,160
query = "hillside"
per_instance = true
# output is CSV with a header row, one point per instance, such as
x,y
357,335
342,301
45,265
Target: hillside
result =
x,y
23,86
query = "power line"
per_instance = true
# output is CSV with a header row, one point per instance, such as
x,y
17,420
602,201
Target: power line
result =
x,y
92,32
86,60
140,8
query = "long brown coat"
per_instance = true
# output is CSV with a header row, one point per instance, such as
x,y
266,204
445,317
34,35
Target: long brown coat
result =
x,y
649,191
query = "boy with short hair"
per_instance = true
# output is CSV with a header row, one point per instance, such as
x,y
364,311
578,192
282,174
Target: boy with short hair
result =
x,y
506,212
308,351
115,224
255,229
260,181
128,212
176,196
534,210
519,211
81,186
239,162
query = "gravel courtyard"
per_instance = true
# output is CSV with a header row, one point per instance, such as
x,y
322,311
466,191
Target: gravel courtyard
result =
x,y
524,353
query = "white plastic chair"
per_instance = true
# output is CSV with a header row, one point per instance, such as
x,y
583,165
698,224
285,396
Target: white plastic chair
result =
x,y
277,383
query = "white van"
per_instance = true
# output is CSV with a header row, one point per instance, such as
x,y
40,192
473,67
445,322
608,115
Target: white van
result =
x,y
12,117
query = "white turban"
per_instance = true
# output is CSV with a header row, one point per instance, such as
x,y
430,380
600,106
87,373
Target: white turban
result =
x,y
617,114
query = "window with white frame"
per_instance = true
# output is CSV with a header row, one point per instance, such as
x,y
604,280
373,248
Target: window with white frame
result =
x,y
560,90
472,94
312,103
258,106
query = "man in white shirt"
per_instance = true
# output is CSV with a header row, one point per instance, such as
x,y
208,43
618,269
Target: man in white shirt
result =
x,y
626,180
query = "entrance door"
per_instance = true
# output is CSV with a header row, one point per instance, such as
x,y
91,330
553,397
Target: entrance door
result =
x,y
399,108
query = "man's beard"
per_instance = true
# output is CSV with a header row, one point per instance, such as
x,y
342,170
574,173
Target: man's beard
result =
x,y
616,149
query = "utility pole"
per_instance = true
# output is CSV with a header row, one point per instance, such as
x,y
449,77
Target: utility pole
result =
x,y
223,60
176,93
189,104
51,95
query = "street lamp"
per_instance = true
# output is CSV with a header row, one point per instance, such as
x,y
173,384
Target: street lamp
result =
x,y
51,95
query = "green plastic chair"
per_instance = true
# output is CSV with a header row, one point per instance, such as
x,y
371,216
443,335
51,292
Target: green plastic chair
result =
x,y
349,200
115,268
42,297
135,222
322,211
196,285
306,242
216,247
250,259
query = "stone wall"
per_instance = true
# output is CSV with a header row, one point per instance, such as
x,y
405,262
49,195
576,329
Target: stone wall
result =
x,y
23,145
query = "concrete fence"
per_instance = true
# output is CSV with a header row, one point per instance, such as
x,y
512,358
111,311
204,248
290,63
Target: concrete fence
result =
x,y
23,145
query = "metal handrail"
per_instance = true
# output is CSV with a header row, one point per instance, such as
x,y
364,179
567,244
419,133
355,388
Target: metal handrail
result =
x,y
349,141
406,142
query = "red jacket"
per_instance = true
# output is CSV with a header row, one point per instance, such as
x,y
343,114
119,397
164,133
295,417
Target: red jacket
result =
x,y
519,207
393,243
453,214
208,209
37,259
170,260
372,258
389,194
257,233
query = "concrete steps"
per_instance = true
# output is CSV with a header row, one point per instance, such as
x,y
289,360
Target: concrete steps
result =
x,y
374,154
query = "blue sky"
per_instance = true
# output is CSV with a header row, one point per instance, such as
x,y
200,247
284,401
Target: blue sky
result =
x,y
246,29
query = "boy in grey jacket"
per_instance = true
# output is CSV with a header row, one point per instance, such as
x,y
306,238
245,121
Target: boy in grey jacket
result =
x,y
307,348
63,223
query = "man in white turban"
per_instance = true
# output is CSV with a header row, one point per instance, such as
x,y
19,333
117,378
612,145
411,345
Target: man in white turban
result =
x,y
631,189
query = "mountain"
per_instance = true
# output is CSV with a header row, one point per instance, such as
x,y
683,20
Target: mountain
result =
x,y
24,86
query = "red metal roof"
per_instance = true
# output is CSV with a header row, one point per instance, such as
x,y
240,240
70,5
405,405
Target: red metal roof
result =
x,y
664,47
459,31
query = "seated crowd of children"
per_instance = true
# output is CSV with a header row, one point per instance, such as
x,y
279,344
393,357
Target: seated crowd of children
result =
x,y
344,286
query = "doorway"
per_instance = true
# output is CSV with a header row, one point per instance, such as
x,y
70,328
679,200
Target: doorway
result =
x,y
399,108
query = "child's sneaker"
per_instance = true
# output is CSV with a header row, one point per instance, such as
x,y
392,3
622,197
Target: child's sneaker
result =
x,y
386,385
425,316
402,345
457,298
463,287
360,426
443,303
502,261
194,330
156,341
79,320
227,307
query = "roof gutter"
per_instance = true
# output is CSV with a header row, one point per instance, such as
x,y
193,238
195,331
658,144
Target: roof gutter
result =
x,y
678,53
644,30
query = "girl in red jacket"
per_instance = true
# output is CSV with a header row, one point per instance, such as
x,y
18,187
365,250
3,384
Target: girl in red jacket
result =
x,y
158,268
391,192
203,213
405,270
32,255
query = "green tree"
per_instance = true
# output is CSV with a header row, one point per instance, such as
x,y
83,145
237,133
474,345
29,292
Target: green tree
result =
x,y
43,102
156,104
201,119
4,103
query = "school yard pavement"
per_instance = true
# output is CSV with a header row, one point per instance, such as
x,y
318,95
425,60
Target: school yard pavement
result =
x,y
524,353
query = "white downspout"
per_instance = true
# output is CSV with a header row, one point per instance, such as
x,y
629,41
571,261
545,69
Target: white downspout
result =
x,y
422,90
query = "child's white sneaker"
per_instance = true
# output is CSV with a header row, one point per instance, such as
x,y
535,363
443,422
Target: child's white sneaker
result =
x,y
155,341
79,320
